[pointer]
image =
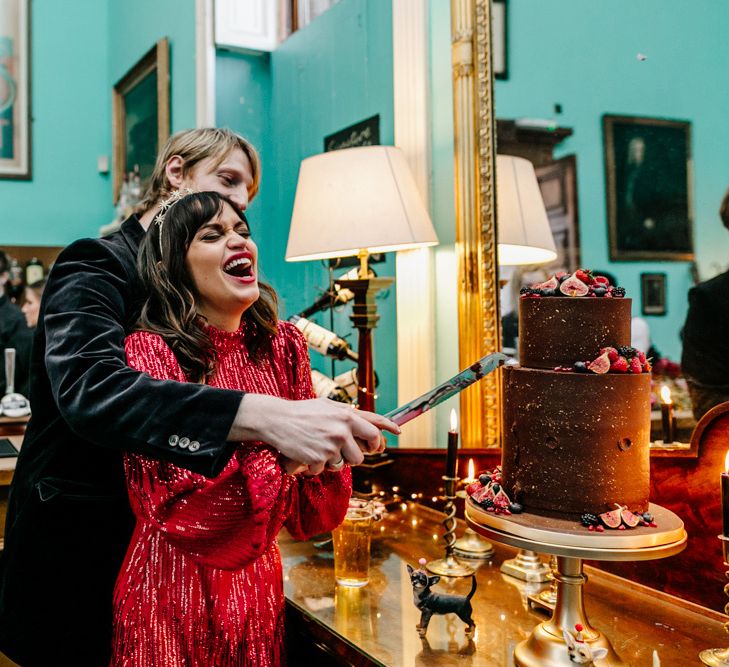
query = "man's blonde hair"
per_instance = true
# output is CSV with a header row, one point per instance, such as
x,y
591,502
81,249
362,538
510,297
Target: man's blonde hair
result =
x,y
193,146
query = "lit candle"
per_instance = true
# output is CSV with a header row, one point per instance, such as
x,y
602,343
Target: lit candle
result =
x,y
725,496
470,474
656,659
452,446
667,414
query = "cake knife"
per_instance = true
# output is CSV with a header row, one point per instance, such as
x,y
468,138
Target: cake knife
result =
x,y
449,388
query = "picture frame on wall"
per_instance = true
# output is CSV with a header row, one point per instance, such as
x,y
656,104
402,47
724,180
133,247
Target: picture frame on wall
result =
x,y
648,189
141,115
499,38
653,293
15,95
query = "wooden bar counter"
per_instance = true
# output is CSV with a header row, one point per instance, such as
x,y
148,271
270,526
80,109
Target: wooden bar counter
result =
x,y
375,625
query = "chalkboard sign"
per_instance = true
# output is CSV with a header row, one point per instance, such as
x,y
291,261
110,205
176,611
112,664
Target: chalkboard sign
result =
x,y
364,133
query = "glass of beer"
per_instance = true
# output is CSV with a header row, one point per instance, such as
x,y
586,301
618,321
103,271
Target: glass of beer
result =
x,y
352,547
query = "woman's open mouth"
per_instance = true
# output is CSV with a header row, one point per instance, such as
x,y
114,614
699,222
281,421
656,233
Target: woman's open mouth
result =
x,y
240,268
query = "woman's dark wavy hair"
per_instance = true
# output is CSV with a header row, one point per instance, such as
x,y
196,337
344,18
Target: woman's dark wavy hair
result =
x,y
170,309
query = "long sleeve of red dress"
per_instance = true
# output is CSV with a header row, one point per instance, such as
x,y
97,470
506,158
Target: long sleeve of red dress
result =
x,y
201,583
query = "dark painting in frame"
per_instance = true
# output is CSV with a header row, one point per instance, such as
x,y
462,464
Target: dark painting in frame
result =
x,y
15,90
653,293
648,187
141,108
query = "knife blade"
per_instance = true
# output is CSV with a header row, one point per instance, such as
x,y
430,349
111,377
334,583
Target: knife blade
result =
x,y
449,388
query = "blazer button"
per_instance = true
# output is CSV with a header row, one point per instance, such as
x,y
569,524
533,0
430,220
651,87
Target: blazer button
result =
x,y
184,442
194,446
174,439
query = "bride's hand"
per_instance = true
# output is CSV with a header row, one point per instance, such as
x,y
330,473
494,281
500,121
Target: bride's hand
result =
x,y
293,467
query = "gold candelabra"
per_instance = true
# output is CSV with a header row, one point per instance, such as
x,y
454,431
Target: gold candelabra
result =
x,y
719,657
449,566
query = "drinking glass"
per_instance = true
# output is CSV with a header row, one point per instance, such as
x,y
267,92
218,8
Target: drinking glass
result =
x,y
352,548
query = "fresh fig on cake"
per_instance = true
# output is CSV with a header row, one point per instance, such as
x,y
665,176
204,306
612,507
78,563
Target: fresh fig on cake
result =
x,y
472,488
612,519
551,284
482,494
573,286
631,520
600,365
501,499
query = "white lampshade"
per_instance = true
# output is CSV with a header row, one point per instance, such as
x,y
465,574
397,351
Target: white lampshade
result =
x,y
355,199
524,233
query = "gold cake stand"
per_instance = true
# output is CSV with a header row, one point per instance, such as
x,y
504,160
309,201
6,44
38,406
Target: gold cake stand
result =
x,y
570,543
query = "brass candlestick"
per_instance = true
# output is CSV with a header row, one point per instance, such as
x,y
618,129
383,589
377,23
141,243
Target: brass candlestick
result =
x,y
449,566
527,566
547,598
719,657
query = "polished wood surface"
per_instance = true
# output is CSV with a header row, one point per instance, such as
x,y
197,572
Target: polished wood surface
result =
x,y
375,625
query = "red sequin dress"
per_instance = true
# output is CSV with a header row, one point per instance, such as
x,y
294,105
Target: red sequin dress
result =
x,y
201,585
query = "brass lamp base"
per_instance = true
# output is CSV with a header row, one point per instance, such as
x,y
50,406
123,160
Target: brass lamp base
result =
x,y
526,566
472,546
715,657
449,567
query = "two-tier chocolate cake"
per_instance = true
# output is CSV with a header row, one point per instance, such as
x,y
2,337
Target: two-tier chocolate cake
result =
x,y
576,411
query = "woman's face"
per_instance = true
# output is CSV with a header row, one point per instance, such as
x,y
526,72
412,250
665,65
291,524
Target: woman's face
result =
x,y
31,307
222,261
233,177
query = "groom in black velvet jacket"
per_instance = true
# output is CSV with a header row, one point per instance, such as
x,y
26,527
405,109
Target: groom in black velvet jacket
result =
x,y
69,520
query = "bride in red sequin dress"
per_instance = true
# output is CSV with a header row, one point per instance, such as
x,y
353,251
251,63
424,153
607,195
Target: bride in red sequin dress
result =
x,y
201,585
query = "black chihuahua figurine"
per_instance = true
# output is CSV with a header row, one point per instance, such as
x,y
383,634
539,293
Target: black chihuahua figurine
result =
x,y
431,603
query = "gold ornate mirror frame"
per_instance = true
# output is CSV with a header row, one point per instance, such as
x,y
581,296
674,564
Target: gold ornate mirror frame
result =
x,y
479,329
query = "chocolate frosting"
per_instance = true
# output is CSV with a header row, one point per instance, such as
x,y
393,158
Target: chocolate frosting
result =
x,y
576,442
557,331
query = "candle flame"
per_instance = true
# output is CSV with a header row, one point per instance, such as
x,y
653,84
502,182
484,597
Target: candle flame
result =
x,y
472,468
726,462
454,421
666,394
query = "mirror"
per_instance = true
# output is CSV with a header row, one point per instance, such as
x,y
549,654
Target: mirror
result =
x,y
626,130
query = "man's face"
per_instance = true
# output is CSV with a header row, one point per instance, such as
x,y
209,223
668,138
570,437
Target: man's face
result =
x,y
233,177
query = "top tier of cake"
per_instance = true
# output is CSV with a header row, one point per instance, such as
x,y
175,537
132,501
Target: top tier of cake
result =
x,y
558,331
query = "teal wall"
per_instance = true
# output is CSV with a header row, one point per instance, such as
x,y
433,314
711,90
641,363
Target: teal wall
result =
x,y
243,103
334,72
135,26
79,50
582,55
71,107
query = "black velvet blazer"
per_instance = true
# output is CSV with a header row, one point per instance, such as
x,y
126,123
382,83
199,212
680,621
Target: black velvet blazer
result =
x,y
69,521
705,357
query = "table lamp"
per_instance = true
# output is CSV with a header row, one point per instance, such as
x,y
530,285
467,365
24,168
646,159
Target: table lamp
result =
x,y
353,202
525,236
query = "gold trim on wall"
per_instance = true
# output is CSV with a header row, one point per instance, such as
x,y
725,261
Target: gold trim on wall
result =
x,y
158,57
479,331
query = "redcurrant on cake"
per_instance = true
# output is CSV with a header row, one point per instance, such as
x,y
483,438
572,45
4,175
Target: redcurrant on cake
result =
x,y
577,410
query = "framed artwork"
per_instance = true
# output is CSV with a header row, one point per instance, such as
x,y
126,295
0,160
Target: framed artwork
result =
x,y
15,118
647,170
499,38
141,115
653,293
